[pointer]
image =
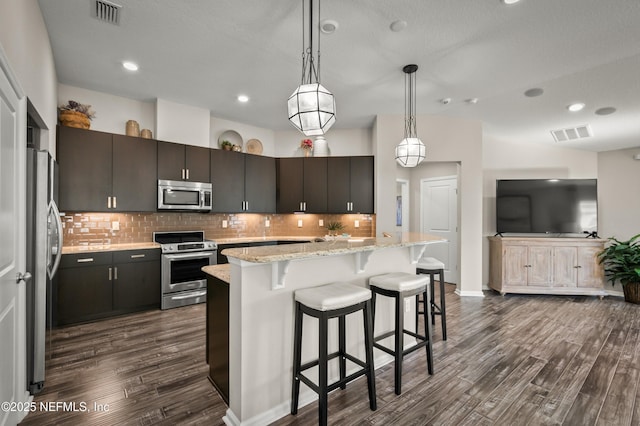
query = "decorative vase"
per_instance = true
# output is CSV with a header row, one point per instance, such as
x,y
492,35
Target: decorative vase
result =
x,y
307,152
132,128
320,147
77,119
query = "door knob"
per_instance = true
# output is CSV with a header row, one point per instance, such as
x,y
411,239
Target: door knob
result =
x,y
23,277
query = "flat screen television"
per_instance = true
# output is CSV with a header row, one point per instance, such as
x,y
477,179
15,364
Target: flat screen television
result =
x,y
551,206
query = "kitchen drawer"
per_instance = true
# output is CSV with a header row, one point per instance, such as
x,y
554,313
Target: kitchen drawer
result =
x,y
132,256
86,259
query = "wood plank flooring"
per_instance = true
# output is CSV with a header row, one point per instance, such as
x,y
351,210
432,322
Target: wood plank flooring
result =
x,y
513,360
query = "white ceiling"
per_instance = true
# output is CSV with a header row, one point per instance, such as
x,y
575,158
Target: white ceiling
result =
x,y
206,52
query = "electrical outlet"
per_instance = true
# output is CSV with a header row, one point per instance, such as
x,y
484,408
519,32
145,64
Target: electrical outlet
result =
x,y
115,225
267,223
356,224
299,223
407,305
225,223
320,222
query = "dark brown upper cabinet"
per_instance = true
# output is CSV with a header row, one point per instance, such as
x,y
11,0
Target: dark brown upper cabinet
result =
x,y
301,185
350,184
242,182
102,172
183,162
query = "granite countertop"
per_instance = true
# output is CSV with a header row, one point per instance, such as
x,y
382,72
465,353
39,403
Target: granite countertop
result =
x,y
222,272
109,247
268,254
258,239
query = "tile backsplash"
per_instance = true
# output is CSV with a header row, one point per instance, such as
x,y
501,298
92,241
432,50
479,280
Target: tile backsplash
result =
x,y
83,229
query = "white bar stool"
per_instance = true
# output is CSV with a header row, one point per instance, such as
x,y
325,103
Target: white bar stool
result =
x,y
432,267
401,285
324,302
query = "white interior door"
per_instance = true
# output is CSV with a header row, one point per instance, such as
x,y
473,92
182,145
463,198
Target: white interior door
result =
x,y
12,245
439,216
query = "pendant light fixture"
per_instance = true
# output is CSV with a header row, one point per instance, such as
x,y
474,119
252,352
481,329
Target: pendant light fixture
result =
x,y
410,151
312,108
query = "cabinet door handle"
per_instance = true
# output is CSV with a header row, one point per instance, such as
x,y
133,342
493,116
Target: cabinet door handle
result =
x,y
187,174
246,206
108,202
115,273
300,206
85,260
182,173
347,206
114,202
110,274
137,256
577,266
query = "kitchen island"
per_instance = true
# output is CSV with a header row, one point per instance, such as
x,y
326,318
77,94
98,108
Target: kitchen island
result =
x,y
262,283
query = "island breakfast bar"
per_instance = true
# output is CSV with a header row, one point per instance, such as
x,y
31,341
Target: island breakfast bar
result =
x,y
261,304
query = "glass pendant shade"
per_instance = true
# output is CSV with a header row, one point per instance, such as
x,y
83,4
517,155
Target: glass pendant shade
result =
x,y
410,152
312,109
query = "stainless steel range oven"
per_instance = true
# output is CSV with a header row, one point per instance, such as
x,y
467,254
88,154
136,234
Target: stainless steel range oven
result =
x,y
183,256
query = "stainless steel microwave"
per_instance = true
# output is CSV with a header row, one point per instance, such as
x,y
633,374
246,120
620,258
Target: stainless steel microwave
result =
x,y
184,195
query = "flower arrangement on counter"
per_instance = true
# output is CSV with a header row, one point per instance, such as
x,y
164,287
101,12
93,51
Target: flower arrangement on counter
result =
x,y
306,144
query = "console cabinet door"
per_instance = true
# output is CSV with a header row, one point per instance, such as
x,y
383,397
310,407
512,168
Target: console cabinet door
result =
x,y
259,184
515,264
227,178
565,261
590,272
134,174
540,266
85,173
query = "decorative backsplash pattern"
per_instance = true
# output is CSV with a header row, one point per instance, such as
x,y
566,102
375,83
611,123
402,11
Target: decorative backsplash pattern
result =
x,y
83,229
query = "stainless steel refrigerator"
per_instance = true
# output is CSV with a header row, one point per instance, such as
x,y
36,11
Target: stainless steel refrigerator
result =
x,y
44,249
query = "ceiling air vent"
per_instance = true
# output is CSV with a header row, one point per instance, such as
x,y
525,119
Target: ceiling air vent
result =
x,y
571,133
106,11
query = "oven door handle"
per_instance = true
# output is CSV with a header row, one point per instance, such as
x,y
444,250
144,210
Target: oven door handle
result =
x,y
186,256
190,295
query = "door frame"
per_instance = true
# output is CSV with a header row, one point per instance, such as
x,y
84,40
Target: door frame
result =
x,y
456,273
19,389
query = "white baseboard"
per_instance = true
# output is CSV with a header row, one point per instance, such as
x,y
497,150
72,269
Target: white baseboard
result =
x,y
469,293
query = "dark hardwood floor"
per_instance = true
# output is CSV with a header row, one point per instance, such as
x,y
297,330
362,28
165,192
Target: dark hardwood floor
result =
x,y
513,360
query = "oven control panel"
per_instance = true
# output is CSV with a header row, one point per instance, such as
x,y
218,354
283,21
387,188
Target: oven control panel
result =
x,y
187,247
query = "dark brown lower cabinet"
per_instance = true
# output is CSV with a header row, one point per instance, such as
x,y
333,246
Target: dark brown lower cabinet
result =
x,y
218,335
92,286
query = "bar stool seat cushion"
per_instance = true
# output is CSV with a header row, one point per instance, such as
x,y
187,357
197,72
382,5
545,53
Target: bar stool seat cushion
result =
x,y
429,263
399,281
332,296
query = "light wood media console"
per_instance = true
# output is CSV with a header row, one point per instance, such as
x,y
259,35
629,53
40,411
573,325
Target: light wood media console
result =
x,y
546,266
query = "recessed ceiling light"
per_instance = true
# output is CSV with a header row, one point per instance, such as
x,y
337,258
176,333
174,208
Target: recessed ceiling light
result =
x,y
575,107
329,26
397,26
243,98
605,111
510,1
131,66
472,101
532,93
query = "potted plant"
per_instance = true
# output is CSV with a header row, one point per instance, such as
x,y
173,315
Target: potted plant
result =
x,y
75,114
621,261
334,228
226,145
